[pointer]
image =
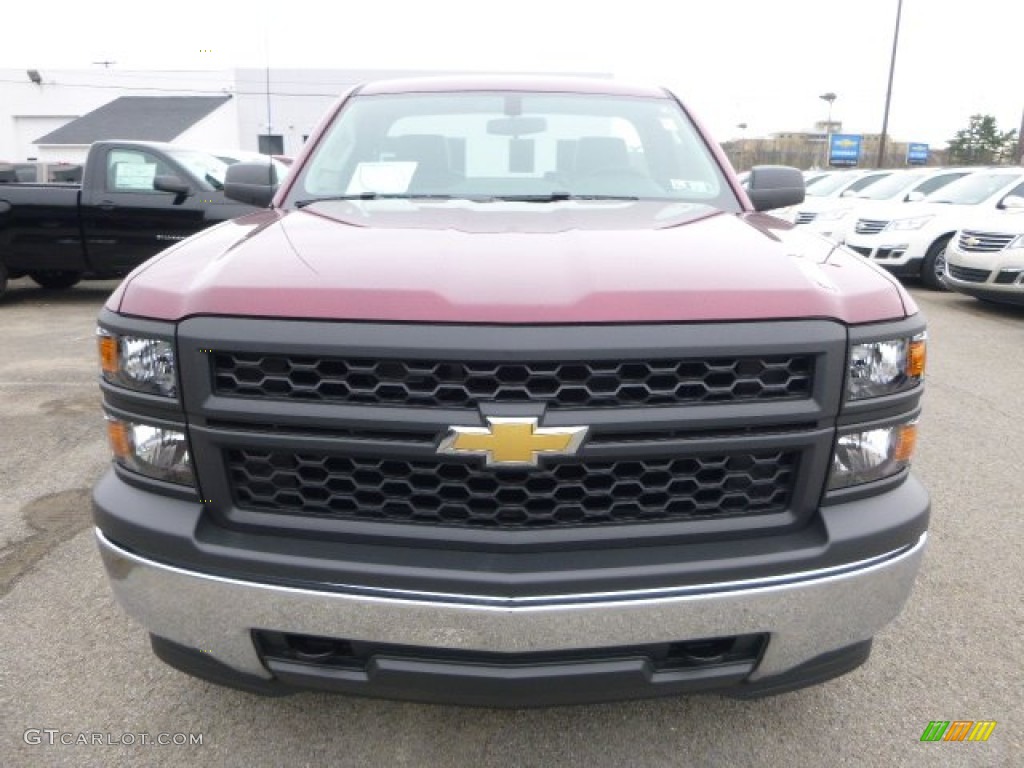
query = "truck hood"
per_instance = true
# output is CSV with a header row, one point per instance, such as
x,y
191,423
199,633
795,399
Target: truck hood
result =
x,y
565,262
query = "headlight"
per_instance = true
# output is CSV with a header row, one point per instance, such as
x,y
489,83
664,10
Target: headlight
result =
x,y
138,363
861,457
879,368
904,224
152,451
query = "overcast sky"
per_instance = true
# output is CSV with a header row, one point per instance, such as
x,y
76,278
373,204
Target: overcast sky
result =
x,y
757,62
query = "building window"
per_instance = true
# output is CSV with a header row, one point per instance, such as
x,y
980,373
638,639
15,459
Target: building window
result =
x,y
271,144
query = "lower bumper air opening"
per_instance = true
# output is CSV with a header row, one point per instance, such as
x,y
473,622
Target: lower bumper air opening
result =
x,y
508,679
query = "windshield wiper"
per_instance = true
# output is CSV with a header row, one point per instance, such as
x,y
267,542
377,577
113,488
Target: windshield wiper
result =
x,y
553,197
557,197
388,196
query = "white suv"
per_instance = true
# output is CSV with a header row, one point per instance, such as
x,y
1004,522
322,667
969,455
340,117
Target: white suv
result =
x,y
910,239
834,217
827,191
986,258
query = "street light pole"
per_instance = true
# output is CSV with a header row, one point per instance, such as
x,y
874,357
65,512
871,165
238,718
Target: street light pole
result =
x,y
1020,141
888,92
830,98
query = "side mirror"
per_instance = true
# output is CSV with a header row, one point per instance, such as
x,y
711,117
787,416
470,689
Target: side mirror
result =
x,y
174,185
914,197
1015,202
251,183
775,186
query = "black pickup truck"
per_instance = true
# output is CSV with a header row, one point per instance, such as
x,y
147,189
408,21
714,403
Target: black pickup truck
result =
x,y
136,198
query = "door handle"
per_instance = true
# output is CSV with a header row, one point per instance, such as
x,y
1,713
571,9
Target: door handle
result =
x,y
107,205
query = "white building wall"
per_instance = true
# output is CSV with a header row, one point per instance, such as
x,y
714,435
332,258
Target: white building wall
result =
x,y
218,130
64,95
298,100
63,153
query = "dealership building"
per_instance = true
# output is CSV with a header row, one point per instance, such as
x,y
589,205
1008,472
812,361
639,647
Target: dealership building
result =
x,y
54,115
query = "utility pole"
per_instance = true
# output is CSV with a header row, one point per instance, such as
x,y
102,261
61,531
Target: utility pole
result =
x,y
1020,141
830,98
888,92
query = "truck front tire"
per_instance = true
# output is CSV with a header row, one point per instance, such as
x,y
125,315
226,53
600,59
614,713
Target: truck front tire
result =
x,y
57,280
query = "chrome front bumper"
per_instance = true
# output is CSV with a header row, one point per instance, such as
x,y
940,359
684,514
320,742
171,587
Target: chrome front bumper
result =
x,y
805,614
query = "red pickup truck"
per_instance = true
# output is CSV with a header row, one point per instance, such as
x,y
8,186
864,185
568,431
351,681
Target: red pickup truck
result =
x,y
512,397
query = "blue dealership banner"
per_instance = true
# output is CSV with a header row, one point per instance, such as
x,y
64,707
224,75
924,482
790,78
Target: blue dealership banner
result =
x,y
917,154
844,149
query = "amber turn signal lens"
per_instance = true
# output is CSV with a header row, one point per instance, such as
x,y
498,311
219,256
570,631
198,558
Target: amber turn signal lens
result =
x,y
120,442
108,354
916,359
905,443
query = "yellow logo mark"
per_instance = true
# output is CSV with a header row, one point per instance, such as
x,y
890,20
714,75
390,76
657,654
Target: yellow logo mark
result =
x,y
512,441
982,730
845,143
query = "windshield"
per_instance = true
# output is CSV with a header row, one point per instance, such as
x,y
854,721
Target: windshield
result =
x,y
538,147
814,178
973,189
207,168
826,185
890,186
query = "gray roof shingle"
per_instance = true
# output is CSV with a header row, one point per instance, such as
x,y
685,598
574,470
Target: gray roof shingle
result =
x,y
137,118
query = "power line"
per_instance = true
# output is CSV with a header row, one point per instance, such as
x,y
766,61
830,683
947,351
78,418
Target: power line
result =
x,y
219,92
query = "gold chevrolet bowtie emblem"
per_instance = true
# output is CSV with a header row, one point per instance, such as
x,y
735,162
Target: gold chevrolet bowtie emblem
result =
x,y
511,442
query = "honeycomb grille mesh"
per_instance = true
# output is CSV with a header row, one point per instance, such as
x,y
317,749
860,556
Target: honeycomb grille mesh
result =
x,y
469,495
463,384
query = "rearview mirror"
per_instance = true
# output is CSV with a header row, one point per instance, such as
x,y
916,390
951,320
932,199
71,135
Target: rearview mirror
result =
x,y
251,183
174,185
775,186
516,126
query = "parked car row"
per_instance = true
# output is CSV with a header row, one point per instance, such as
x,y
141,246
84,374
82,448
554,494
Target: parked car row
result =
x,y
33,172
907,220
986,259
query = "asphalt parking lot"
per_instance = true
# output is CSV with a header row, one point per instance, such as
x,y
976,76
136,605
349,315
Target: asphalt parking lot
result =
x,y
72,663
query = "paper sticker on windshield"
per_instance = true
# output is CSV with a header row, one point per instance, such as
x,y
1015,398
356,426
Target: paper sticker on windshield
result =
x,y
134,175
389,177
698,186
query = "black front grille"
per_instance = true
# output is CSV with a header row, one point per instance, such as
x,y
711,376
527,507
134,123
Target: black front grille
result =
x,y
983,242
967,274
870,226
566,494
860,249
1007,276
462,384
805,217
